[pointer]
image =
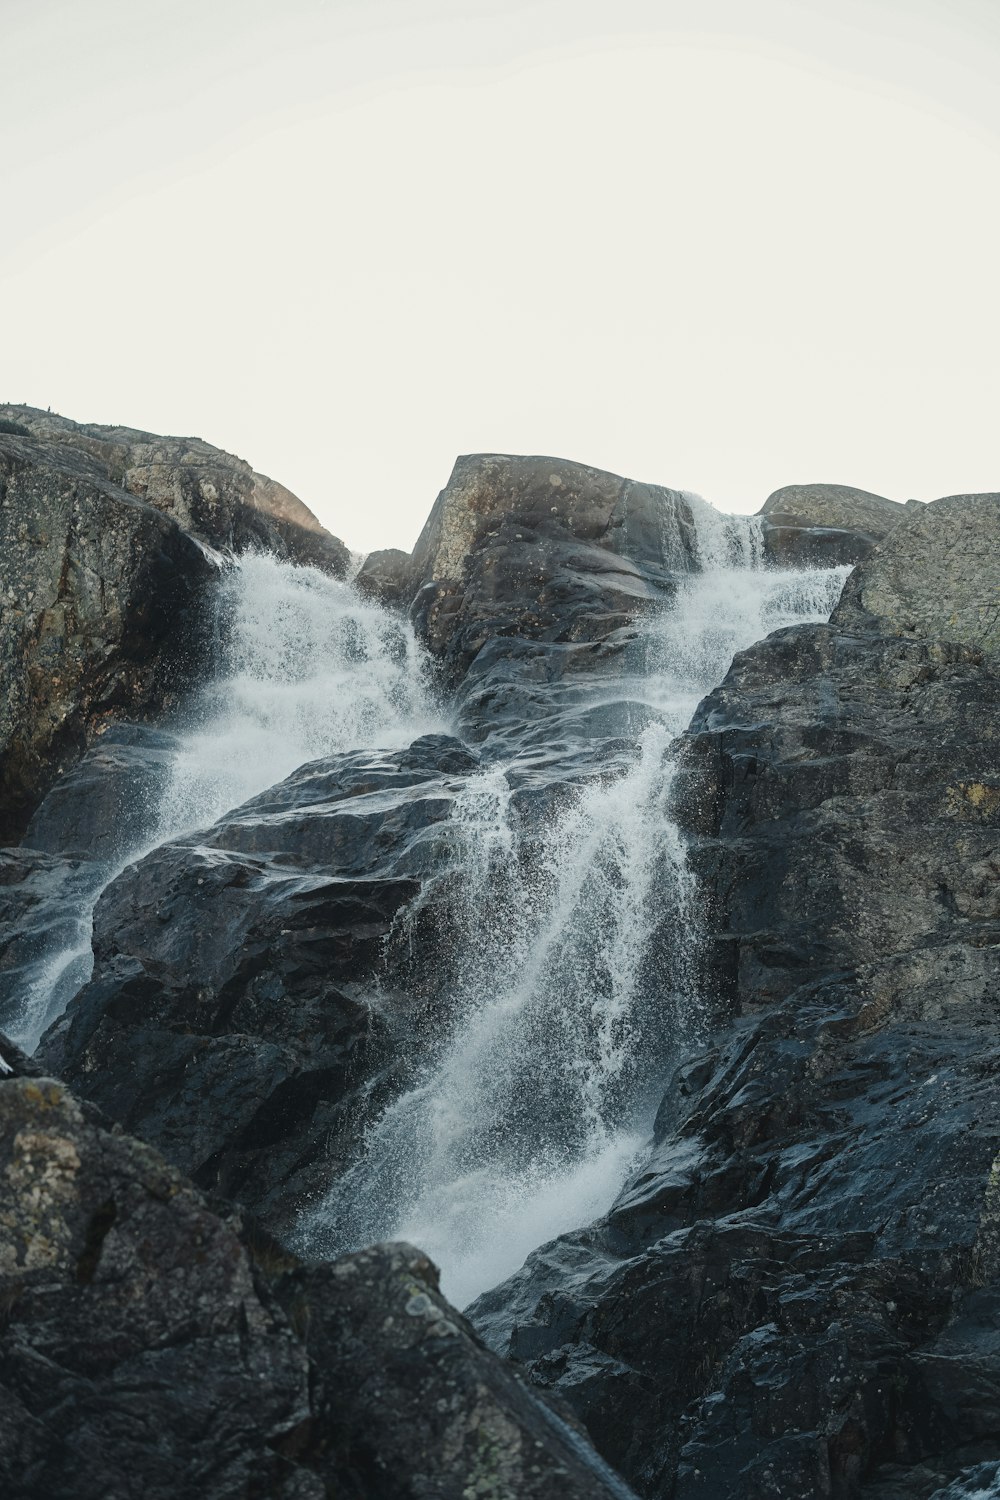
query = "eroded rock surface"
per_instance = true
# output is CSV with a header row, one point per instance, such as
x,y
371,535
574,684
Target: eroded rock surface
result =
x,y
211,494
825,524
106,579
938,579
799,1293
154,1342
249,1048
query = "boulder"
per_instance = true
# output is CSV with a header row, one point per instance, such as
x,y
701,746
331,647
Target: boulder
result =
x,y
939,578
824,525
383,576
155,1342
542,549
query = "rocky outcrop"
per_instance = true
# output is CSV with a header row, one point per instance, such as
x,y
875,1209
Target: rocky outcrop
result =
x,y
823,525
248,1048
211,494
938,579
152,1341
384,576
795,1293
545,550
106,577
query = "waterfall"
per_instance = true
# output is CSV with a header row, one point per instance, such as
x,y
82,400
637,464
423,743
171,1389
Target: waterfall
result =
x,y
568,979
304,667
307,668
571,979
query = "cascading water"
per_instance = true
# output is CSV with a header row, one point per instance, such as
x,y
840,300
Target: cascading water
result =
x,y
306,667
569,983
571,980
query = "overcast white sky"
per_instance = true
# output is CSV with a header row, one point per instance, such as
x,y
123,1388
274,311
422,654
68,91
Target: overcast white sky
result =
x,y
718,244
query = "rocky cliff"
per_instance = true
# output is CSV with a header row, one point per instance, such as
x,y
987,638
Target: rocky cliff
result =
x,y
103,593
772,944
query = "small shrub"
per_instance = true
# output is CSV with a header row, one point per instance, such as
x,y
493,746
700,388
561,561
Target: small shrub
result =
x,y
15,428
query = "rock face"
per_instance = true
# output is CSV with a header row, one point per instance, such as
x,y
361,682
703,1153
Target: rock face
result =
x,y
211,494
384,576
542,549
103,600
92,819
101,614
824,524
798,1293
255,1049
245,1048
938,580
154,1342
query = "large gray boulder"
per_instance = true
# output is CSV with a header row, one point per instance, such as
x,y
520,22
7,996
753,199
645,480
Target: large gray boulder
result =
x,y
824,525
938,580
227,1021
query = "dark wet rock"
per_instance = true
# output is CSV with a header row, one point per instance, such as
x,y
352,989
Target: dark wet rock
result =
x,y
109,801
542,549
41,896
530,583
384,576
938,579
101,615
235,1018
154,1342
824,525
95,816
425,1412
799,1292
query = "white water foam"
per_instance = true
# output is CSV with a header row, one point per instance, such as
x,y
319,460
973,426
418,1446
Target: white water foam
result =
x,y
573,971
306,668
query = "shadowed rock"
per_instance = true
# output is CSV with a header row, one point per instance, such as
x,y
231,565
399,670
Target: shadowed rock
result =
x,y
247,1046
384,576
542,549
152,1342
